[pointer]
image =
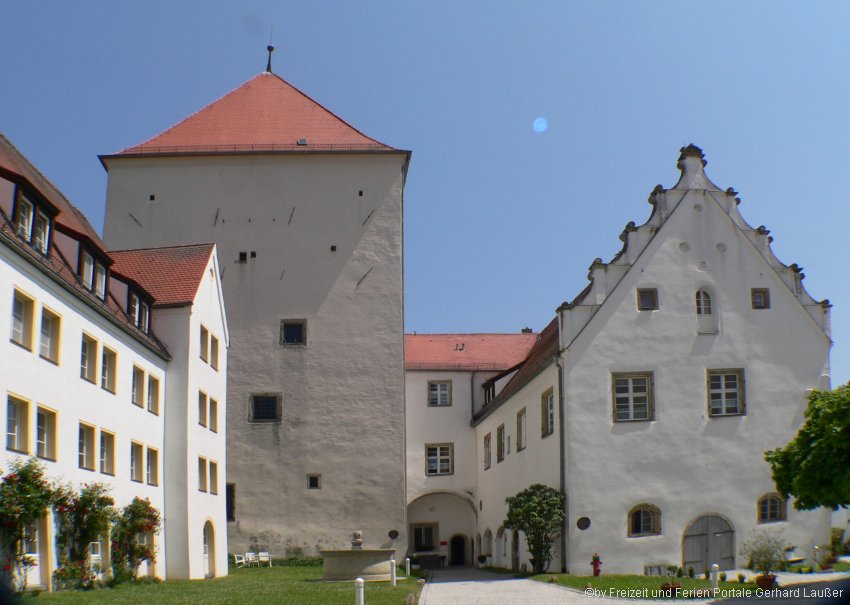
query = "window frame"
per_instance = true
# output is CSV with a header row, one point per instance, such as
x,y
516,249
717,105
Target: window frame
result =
x,y
652,293
85,446
212,477
488,451
138,383
108,371
203,401
649,376
53,338
644,509
433,528
284,341
547,413
203,481
89,359
204,341
48,451
17,441
781,509
500,443
740,390
278,407
152,395
764,293
212,414
106,453
436,402
137,461
521,430
152,470
214,352
26,320
440,458
318,481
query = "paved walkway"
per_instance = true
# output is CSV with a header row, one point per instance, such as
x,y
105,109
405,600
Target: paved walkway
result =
x,y
469,586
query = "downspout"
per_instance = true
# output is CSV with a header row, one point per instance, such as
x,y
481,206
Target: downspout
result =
x,y
563,462
472,395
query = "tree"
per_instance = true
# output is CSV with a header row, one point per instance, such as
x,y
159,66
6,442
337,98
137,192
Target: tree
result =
x,y
538,512
813,466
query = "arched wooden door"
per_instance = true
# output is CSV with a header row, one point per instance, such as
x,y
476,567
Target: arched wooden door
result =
x,y
708,540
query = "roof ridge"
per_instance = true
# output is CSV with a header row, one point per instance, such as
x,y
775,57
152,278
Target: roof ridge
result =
x,y
191,115
309,98
163,247
471,333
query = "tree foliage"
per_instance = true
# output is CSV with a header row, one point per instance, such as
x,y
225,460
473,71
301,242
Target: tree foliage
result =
x,y
538,512
813,466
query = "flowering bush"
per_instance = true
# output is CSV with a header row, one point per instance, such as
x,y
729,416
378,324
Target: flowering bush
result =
x,y
82,518
25,496
139,518
74,574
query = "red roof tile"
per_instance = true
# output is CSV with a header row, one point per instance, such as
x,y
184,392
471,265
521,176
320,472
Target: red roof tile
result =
x,y
266,113
466,351
171,275
69,219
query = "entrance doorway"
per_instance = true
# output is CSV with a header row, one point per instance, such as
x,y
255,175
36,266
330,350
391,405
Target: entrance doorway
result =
x,y
209,550
457,550
708,540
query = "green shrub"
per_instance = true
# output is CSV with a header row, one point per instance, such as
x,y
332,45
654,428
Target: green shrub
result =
x,y
300,562
690,571
722,576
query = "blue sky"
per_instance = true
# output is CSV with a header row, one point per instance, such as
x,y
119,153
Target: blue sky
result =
x,y
502,219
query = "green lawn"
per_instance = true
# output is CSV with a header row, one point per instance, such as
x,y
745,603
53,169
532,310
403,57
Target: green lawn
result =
x,y
610,585
278,585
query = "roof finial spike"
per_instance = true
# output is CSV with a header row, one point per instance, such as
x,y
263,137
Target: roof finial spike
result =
x,y
269,48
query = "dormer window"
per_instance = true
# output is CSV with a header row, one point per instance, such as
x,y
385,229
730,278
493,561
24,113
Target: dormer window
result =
x,y
93,274
31,224
139,311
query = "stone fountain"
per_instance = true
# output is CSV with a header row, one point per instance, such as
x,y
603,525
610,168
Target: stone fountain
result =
x,y
359,562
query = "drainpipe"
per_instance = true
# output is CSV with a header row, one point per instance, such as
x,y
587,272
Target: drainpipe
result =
x,y
472,394
563,461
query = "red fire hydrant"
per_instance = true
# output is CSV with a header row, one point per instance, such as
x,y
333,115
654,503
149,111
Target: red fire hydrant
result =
x,y
596,564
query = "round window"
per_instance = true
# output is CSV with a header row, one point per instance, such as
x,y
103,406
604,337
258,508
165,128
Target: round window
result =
x,y
583,523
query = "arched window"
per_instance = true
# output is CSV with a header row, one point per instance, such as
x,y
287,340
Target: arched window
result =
x,y
644,520
703,302
487,547
771,508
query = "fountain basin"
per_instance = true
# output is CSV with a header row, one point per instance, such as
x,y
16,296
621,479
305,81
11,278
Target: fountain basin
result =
x,y
369,564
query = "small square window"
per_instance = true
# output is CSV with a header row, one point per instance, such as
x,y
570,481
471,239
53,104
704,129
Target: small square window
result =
x,y
647,299
265,408
439,459
314,482
760,298
726,392
439,392
293,332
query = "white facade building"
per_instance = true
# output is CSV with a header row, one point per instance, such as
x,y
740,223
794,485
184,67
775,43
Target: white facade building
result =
x,y
651,398
306,213
99,366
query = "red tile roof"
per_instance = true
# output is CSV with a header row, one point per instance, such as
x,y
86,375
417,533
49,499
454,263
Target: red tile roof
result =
x,y
266,113
70,220
171,275
539,357
466,351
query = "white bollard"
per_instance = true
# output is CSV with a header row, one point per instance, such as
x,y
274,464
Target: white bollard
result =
x,y
715,574
392,572
407,566
358,591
